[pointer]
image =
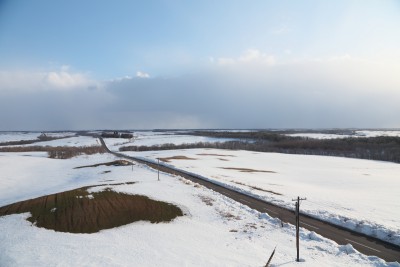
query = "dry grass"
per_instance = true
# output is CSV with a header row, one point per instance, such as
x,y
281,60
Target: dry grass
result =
x,y
207,200
245,170
112,163
228,215
218,155
176,157
77,211
258,188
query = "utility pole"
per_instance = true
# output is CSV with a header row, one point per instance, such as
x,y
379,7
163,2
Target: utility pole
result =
x,y
158,162
297,212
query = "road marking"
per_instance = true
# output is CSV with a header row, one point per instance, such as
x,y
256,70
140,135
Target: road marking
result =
x,y
309,225
271,211
361,244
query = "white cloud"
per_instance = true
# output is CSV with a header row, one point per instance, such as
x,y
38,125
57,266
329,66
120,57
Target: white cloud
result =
x,y
62,79
66,80
141,74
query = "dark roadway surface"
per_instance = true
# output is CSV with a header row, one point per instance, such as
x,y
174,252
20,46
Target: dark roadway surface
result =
x,y
364,244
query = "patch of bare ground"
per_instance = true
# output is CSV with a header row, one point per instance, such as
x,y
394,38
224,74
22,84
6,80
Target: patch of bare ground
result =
x,y
258,188
176,157
245,170
207,200
112,163
78,211
228,215
223,159
218,155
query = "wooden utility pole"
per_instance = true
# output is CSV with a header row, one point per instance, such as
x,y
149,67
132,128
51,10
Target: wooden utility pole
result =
x,y
297,212
158,162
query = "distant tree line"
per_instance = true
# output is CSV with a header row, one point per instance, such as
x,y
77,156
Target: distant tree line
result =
x,y
271,136
374,148
116,135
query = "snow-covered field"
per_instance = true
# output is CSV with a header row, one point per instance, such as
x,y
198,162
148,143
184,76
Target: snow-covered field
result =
x,y
359,194
17,136
22,136
223,233
216,231
69,141
149,138
360,133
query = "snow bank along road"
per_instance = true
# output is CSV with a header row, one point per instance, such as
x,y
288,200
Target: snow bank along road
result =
x,y
364,244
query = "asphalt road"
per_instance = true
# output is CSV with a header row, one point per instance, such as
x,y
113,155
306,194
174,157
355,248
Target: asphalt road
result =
x,y
365,244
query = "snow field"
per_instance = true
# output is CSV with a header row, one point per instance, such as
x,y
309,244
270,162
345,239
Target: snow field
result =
x,y
220,233
155,138
18,136
363,133
72,141
359,194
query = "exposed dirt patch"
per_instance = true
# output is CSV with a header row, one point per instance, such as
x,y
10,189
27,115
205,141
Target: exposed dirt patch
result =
x,y
207,200
176,157
258,188
112,163
228,215
245,170
77,211
218,155
223,159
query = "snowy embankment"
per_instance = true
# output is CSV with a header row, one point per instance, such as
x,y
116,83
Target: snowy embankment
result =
x,y
361,195
216,231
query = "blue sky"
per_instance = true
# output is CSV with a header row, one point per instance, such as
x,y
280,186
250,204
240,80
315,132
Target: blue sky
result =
x,y
84,46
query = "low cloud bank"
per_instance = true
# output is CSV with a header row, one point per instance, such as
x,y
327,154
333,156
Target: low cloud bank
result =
x,y
253,91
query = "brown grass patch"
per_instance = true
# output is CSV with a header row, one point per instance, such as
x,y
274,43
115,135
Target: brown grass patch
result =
x,y
258,188
77,211
245,170
176,157
112,163
228,215
207,200
218,155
